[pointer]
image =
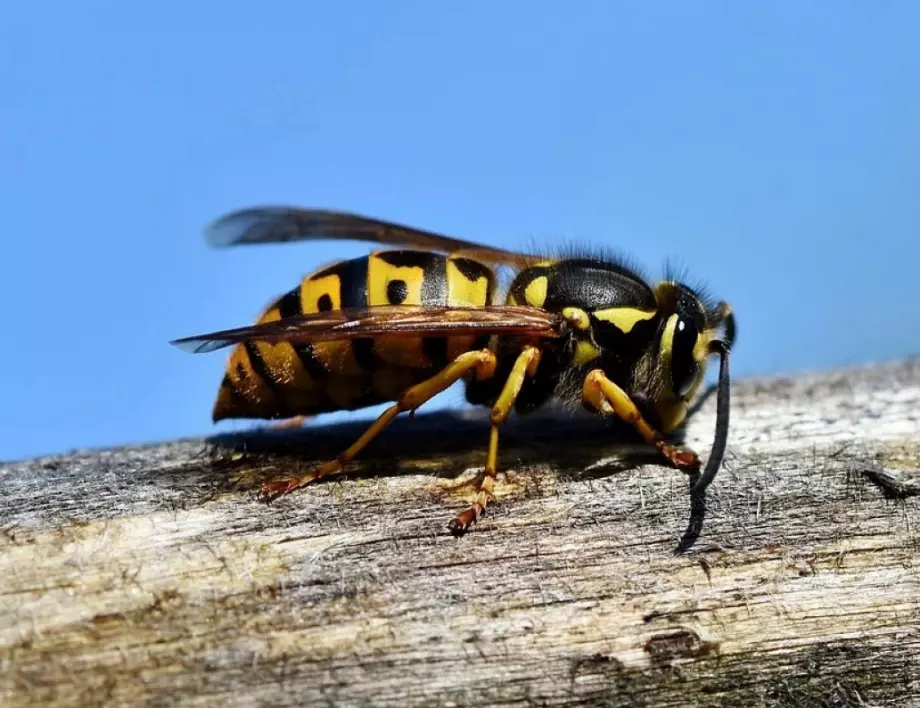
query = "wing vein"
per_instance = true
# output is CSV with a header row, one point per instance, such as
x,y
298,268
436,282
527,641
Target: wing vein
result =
x,y
392,320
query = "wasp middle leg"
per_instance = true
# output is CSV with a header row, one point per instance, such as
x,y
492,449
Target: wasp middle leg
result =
x,y
481,362
525,365
605,396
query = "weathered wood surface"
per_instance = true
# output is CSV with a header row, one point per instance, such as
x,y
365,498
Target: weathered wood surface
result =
x,y
154,574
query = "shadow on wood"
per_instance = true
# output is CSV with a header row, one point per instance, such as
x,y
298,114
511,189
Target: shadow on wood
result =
x,y
447,445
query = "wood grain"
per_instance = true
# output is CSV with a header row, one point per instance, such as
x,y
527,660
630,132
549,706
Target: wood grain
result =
x,y
153,574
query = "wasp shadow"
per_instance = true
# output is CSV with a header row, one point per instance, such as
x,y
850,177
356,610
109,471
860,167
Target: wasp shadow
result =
x,y
444,444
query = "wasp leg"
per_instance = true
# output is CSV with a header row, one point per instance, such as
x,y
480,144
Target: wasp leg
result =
x,y
605,396
525,365
482,362
290,423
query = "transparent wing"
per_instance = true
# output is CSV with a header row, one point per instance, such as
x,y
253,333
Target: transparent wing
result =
x,y
283,224
392,320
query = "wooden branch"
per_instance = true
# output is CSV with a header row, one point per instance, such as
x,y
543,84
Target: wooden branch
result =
x,y
154,573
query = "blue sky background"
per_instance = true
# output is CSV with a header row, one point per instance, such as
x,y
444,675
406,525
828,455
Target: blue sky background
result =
x,y
773,147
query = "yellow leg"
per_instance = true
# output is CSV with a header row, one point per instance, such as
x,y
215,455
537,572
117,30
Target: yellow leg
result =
x,y
289,423
482,362
525,365
605,396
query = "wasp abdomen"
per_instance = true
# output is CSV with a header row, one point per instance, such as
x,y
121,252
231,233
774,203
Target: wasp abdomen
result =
x,y
283,379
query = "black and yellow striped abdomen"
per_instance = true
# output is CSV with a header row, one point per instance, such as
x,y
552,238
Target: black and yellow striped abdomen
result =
x,y
283,380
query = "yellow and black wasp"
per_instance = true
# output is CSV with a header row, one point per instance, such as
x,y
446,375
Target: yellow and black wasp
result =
x,y
403,325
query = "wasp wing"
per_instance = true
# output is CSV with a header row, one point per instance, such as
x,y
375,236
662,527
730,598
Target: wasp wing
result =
x,y
391,320
281,224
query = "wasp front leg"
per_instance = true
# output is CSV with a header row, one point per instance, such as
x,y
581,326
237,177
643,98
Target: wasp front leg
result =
x,y
525,365
481,362
604,396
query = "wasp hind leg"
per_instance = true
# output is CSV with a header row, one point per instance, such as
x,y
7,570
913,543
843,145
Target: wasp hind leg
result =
x,y
605,396
525,365
298,421
482,362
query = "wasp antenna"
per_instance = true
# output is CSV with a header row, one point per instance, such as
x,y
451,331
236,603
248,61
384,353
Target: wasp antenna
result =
x,y
731,329
722,409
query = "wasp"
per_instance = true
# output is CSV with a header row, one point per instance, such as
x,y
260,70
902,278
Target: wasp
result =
x,y
404,323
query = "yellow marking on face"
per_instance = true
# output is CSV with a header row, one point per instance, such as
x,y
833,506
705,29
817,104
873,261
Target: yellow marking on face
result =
x,y
624,318
535,292
700,355
667,342
576,317
585,351
666,403
701,349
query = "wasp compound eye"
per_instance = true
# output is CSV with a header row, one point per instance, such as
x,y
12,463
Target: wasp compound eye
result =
x,y
684,366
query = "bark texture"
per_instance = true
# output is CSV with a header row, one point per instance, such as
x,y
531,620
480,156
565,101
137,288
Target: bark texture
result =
x,y
154,574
